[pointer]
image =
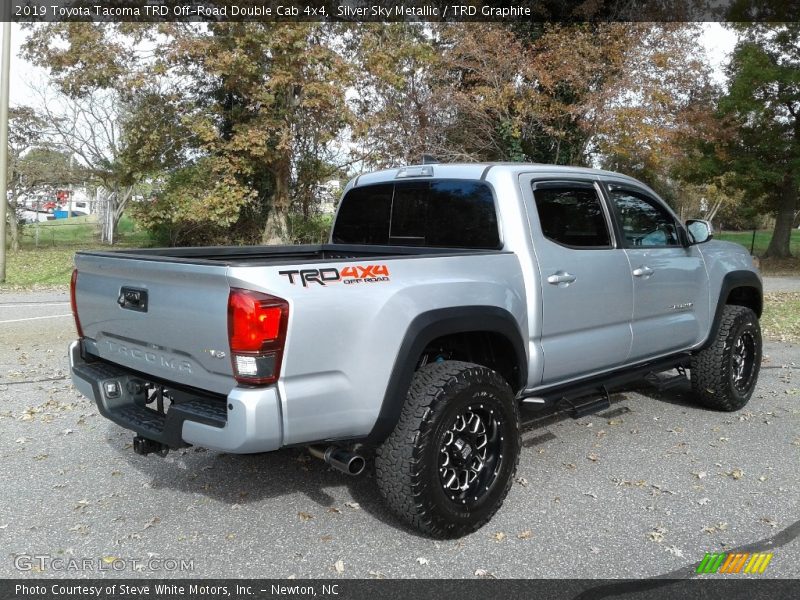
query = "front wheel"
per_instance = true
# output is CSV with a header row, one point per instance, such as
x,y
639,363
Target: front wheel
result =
x,y
725,373
450,461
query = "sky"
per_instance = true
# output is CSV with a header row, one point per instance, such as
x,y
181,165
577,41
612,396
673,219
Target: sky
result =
x,y
717,41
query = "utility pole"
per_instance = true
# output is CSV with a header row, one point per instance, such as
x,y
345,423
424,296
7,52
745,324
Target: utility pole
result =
x,y
5,68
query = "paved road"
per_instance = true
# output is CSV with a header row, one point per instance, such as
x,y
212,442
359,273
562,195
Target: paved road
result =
x,y
782,284
642,490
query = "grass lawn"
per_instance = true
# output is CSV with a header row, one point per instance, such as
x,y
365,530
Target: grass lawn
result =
x,y
769,266
781,318
50,263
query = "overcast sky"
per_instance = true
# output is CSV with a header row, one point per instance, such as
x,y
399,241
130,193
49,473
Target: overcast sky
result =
x,y
717,40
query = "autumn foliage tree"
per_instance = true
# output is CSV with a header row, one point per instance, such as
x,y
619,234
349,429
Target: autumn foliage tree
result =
x,y
251,117
763,108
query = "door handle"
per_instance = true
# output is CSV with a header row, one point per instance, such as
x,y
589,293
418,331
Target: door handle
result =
x,y
642,272
561,277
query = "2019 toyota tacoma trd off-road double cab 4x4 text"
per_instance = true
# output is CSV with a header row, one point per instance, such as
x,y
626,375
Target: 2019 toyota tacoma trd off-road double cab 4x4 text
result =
x,y
448,296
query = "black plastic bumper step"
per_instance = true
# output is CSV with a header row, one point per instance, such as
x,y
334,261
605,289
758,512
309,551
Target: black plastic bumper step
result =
x,y
203,411
148,422
122,397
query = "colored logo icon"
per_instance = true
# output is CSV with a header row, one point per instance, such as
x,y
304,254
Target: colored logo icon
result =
x,y
745,562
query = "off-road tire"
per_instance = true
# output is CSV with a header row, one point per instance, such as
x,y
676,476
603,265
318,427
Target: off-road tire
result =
x,y
408,465
713,369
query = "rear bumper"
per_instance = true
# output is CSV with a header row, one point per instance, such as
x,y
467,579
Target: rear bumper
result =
x,y
247,421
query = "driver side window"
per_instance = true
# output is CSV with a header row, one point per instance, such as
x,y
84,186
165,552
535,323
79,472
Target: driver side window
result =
x,y
644,222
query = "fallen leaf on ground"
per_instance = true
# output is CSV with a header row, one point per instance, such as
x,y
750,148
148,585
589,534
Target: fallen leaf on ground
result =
x,y
304,516
769,521
715,528
675,551
499,536
525,535
657,535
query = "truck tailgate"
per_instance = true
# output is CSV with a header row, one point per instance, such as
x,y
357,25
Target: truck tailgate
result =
x,y
178,331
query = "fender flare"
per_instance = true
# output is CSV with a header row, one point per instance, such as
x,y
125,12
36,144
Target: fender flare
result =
x,y
429,326
731,281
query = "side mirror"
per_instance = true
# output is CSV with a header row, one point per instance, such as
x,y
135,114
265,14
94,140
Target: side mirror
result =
x,y
699,231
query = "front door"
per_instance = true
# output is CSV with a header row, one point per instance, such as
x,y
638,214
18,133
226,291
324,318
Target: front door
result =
x,y
670,285
586,287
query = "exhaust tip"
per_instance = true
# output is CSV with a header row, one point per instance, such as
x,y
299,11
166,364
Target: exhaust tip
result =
x,y
340,459
356,465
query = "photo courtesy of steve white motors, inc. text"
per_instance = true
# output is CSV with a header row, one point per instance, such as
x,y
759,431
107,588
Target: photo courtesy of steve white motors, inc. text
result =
x,y
171,589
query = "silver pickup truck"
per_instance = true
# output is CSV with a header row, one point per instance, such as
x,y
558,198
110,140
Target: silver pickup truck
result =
x,y
448,296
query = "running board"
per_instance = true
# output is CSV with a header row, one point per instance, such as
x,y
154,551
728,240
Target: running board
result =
x,y
576,390
578,410
668,382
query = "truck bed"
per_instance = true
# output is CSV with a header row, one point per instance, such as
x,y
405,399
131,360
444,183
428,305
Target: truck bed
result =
x,y
277,255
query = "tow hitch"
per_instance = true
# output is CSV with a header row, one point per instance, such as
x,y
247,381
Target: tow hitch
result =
x,y
145,446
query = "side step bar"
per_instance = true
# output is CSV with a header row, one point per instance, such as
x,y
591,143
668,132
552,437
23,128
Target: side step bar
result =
x,y
570,394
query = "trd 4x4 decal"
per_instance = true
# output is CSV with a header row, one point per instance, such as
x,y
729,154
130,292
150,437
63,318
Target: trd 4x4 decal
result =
x,y
348,275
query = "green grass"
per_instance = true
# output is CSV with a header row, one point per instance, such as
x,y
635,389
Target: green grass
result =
x,y
768,266
79,232
781,318
42,267
51,262
762,240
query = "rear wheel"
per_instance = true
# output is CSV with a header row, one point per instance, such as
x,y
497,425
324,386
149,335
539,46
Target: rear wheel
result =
x,y
725,373
449,463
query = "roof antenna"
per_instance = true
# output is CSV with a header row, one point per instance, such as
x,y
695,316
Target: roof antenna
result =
x,y
429,159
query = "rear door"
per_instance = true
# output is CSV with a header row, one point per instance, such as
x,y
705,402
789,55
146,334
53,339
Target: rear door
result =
x,y
587,293
670,285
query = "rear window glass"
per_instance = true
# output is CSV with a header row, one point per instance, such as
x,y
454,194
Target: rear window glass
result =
x,y
442,213
572,216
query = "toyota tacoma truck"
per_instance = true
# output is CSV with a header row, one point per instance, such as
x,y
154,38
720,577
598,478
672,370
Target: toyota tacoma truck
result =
x,y
448,296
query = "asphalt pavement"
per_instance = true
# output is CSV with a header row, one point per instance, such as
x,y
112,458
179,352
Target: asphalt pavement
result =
x,y
643,489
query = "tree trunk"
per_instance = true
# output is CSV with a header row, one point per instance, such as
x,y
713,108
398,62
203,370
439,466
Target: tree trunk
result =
x,y
13,225
784,218
115,205
276,230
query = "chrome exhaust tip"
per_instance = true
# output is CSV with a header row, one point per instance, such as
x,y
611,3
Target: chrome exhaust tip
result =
x,y
349,463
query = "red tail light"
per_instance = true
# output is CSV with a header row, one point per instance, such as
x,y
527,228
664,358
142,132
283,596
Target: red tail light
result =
x,y
257,333
72,285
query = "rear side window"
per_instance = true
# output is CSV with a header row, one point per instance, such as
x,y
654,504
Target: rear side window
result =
x,y
364,216
572,215
442,213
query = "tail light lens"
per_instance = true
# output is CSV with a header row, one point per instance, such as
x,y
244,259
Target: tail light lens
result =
x,y
72,285
257,334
